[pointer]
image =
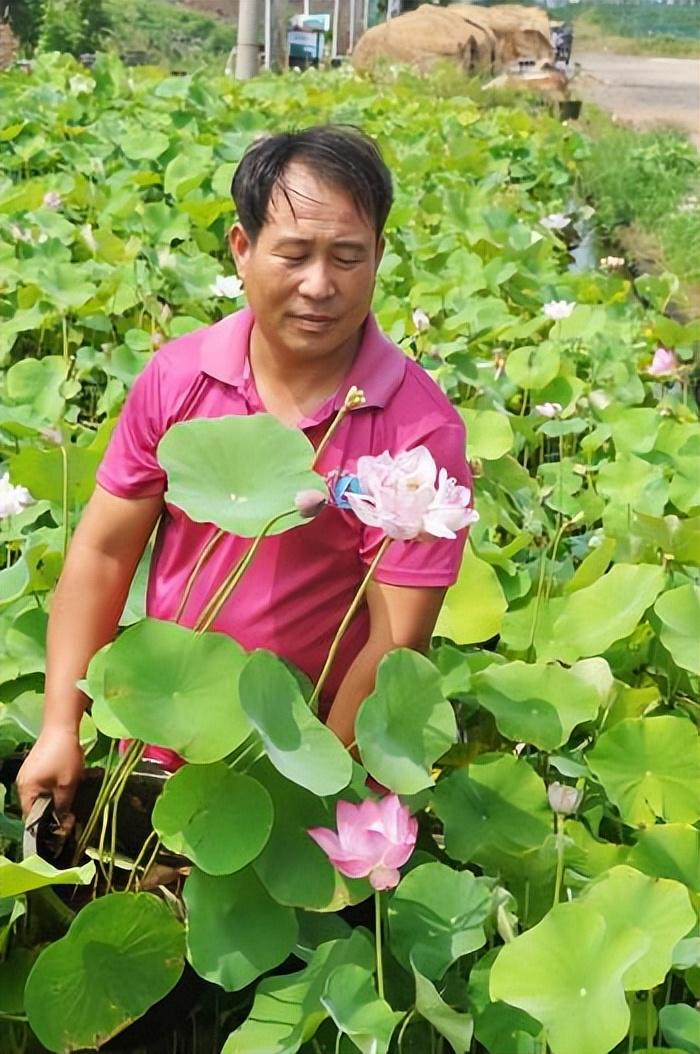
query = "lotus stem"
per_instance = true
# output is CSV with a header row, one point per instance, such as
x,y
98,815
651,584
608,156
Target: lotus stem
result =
x,y
151,861
139,858
201,560
378,942
560,859
110,785
359,596
354,399
222,594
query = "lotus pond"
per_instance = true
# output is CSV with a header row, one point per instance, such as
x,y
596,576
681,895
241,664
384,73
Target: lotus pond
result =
x,y
547,747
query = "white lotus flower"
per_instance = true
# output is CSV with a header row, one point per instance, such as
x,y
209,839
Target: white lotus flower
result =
x,y
420,320
80,85
13,500
564,800
52,200
558,309
612,263
555,221
228,286
548,409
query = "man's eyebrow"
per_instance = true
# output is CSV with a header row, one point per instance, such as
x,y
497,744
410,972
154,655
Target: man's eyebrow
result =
x,y
342,243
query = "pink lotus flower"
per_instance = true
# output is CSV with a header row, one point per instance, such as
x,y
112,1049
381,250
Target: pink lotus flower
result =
x,y
374,839
663,363
399,495
309,503
52,200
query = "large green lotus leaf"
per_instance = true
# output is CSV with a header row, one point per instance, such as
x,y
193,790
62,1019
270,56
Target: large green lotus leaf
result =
x,y
67,285
350,999
457,1028
293,868
567,972
590,620
679,613
132,943
229,471
475,605
631,481
489,433
504,1029
38,383
174,688
634,429
669,850
680,1026
217,818
649,767
287,1011
141,144
533,366
437,915
406,724
296,742
536,703
497,806
662,909
235,929
678,537
41,471
188,170
35,873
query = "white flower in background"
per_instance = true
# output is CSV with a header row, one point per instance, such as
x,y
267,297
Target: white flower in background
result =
x,y
558,309
52,200
420,320
548,409
555,221
13,500
80,85
230,287
564,800
612,263
166,258
21,234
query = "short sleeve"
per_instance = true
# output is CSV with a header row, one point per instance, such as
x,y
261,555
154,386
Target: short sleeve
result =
x,y
129,468
432,563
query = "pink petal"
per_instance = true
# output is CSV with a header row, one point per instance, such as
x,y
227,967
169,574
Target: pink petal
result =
x,y
384,878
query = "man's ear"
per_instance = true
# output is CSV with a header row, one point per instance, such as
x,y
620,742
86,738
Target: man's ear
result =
x,y
241,247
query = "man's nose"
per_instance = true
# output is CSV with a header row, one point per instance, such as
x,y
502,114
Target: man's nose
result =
x,y
317,281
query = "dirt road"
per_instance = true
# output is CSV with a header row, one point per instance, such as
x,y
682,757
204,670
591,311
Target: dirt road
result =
x,y
642,89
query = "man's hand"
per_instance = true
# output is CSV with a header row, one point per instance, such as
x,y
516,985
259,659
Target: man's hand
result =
x,y
53,766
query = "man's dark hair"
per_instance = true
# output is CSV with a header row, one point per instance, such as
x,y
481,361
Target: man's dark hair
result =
x,y
340,155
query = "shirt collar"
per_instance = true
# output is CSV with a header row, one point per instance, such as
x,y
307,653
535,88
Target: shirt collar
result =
x,y
378,368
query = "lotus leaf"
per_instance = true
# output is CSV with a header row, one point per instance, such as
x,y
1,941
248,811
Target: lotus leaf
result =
x,y
650,767
287,1011
669,850
680,1026
133,943
679,613
296,742
462,618
219,819
350,999
497,806
437,915
240,494
457,1028
567,972
406,724
536,703
159,668
35,873
235,930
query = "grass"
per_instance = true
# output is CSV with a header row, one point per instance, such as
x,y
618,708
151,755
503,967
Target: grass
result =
x,y
158,32
634,29
645,188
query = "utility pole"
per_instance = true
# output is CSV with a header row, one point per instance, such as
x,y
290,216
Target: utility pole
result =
x,y
353,20
277,34
334,38
247,45
365,16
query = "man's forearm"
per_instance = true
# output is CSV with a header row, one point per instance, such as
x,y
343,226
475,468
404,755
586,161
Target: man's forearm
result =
x,y
357,684
85,612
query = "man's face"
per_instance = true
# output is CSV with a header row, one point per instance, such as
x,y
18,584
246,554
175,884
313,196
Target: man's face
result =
x,y
310,275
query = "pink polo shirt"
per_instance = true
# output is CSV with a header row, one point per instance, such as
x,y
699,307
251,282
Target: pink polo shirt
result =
x,y
295,594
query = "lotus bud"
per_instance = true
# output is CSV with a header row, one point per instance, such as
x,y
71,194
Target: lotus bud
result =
x,y
354,398
564,800
309,503
420,320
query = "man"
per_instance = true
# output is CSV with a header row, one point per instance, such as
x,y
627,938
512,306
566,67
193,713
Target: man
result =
x,y
307,245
